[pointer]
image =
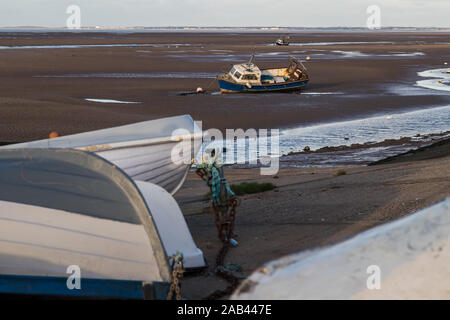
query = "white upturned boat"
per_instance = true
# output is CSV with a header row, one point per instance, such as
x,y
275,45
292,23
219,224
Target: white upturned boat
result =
x,y
143,150
405,259
67,210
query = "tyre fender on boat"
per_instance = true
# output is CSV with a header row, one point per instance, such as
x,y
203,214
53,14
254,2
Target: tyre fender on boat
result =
x,y
248,85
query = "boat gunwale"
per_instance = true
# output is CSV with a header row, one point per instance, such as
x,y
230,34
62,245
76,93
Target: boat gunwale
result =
x,y
149,142
264,87
138,143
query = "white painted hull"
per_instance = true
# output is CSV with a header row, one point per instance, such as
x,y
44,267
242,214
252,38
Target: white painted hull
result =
x,y
143,150
405,259
149,162
38,241
65,207
172,227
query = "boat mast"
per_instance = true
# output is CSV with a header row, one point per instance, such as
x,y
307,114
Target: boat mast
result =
x,y
252,59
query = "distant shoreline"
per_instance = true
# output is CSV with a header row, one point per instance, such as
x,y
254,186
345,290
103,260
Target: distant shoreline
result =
x,y
225,29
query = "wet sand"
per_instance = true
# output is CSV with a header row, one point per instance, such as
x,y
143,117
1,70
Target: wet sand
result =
x,y
381,80
360,154
312,207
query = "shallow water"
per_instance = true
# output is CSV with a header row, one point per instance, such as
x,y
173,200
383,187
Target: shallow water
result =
x,y
75,46
320,93
333,43
110,101
345,133
373,129
441,81
358,54
284,55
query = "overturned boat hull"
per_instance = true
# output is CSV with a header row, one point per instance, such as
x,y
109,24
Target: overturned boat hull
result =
x,y
67,210
405,259
143,150
62,210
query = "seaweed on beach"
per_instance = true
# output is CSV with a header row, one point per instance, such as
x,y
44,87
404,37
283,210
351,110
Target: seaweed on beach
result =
x,y
251,187
247,188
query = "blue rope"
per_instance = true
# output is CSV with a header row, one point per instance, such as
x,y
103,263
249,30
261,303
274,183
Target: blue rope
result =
x,y
215,185
213,179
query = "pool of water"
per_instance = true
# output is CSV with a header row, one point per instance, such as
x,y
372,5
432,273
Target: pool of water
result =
x,y
76,46
342,133
440,79
110,101
379,128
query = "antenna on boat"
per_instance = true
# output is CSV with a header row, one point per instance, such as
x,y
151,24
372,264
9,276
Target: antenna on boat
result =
x,y
252,58
301,63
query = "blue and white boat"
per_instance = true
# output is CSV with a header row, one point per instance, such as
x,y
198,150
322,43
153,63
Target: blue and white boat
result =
x,y
248,77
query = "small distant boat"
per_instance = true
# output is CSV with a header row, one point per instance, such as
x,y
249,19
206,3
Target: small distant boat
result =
x,y
143,150
283,41
248,77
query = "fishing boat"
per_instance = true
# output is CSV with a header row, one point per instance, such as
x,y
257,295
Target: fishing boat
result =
x,y
63,210
283,41
249,78
143,150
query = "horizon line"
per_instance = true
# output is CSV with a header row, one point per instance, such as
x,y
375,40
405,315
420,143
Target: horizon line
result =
x,y
221,27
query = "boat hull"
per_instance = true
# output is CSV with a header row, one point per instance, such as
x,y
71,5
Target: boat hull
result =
x,y
230,87
143,150
150,162
61,208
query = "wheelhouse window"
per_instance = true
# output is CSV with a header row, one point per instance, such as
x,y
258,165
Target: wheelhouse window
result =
x,y
237,74
249,77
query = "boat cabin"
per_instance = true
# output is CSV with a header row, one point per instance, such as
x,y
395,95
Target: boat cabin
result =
x,y
243,73
250,74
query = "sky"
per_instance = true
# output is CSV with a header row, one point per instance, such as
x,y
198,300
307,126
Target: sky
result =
x,y
230,13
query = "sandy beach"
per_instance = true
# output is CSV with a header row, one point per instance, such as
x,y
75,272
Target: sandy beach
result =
x,y
43,89
312,207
